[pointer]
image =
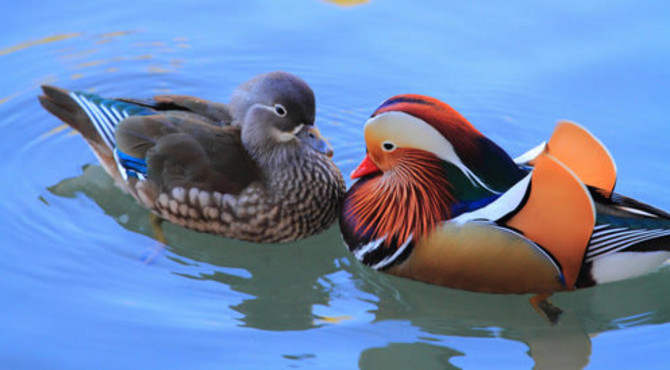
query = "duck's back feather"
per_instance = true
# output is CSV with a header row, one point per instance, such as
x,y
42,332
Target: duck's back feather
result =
x,y
216,113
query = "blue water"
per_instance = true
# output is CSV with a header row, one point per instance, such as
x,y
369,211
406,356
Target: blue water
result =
x,y
76,292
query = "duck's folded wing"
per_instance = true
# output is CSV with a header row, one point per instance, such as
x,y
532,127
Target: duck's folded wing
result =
x,y
218,113
551,209
179,151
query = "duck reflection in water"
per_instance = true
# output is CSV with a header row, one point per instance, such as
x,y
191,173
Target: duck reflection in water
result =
x,y
285,283
438,312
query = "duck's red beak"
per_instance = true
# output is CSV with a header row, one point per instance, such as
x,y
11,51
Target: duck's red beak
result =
x,y
366,167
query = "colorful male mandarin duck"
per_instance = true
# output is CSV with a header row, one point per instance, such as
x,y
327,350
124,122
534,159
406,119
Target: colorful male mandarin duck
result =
x,y
437,201
256,169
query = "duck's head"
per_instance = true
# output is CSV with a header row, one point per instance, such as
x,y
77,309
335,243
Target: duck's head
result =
x,y
411,124
276,113
407,126
424,163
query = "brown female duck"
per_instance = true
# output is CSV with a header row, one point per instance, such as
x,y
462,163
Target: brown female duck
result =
x,y
256,169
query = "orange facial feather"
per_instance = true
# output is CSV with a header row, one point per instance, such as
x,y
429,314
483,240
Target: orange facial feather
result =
x,y
408,199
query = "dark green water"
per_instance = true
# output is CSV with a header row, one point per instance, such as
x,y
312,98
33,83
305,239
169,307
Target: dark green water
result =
x,y
74,289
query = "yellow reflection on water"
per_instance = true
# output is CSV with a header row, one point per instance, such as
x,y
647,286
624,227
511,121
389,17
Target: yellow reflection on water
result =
x,y
158,69
54,131
109,36
331,319
153,44
92,63
8,98
115,34
80,54
46,80
348,2
45,40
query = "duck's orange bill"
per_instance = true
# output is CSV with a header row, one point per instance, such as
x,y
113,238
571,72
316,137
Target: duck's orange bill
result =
x,y
366,167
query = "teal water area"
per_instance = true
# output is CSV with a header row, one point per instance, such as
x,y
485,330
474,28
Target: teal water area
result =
x,y
76,292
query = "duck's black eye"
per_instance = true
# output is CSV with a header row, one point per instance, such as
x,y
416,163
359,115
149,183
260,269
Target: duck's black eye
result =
x,y
388,146
280,110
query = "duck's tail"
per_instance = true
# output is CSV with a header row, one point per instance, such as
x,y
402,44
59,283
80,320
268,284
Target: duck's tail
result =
x,y
94,117
61,104
630,238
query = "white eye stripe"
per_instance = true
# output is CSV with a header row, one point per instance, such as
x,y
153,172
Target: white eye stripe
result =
x,y
396,125
277,109
262,106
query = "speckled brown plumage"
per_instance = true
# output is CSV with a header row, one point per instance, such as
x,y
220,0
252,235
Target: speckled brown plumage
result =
x,y
277,210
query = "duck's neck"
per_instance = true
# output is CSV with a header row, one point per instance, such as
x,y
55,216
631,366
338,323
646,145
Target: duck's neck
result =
x,y
296,197
492,166
308,191
408,200
288,173
414,197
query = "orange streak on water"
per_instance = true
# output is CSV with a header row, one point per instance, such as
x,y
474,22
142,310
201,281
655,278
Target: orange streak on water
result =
x,y
46,40
348,2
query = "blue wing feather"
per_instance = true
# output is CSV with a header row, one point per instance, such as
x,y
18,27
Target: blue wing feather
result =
x,y
130,166
106,114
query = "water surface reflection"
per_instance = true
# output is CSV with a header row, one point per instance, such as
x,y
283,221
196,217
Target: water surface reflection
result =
x,y
284,283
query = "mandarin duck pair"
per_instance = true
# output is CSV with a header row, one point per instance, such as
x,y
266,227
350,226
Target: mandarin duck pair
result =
x,y
435,201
